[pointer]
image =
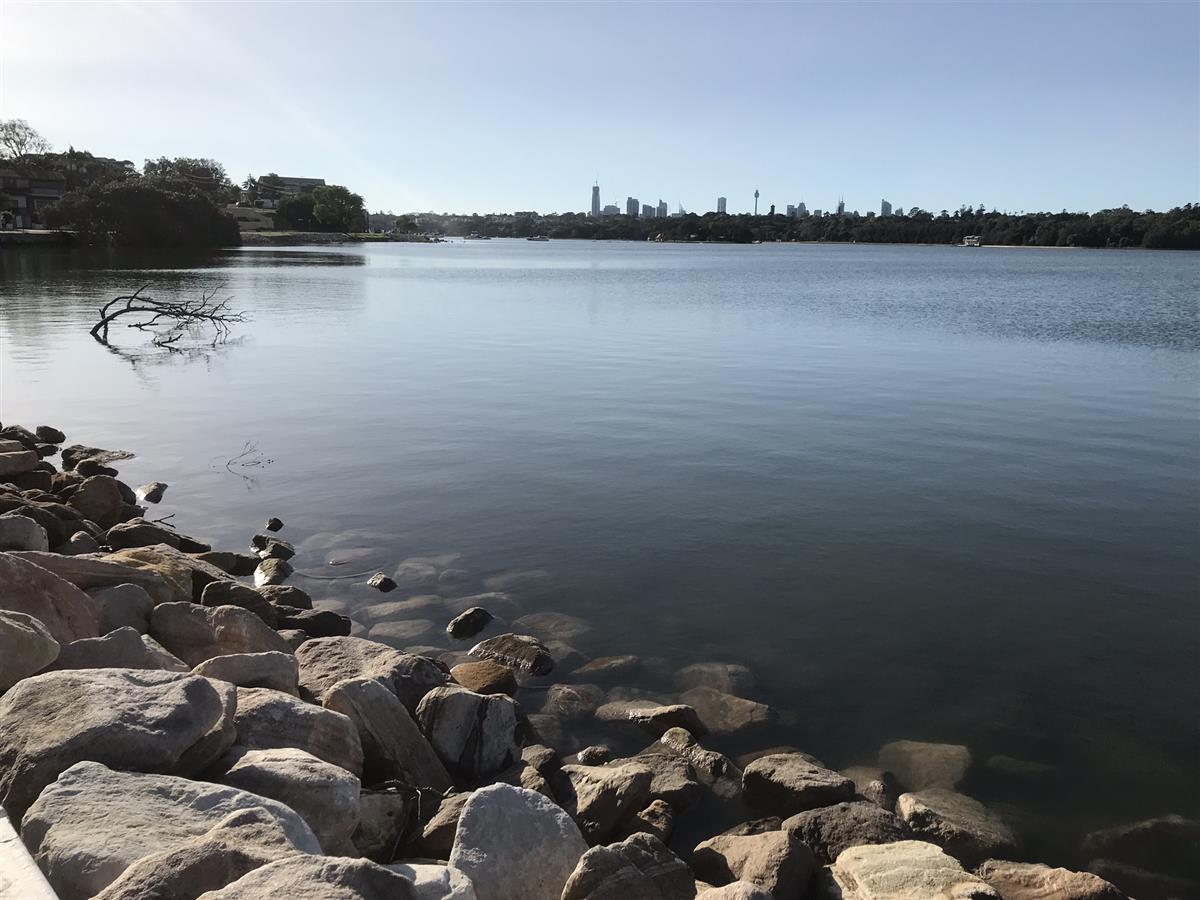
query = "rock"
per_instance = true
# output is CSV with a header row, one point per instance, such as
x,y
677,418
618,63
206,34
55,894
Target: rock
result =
x,y
608,669
919,765
99,498
659,719
239,843
87,573
272,571
829,830
788,783
119,649
90,467
1143,883
657,819
232,593
601,797
67,613
553,626
142,814
316,623
18,461
905,870
729,678
416,573
196,633
1034,881
574,702
325,795
419,606
287,595
736,890
49,434
386,815
405,633
485,677
520,652
267,719
596,755
22,533
713,770
152,492
381,583
531,583
192,575
638,868
473,734
26,647
272,669
237,564
963,827
123,606
1169,844
136,719
167,661
72,455
304,877
272,547
294,637
78,543
512,843
326,661
673,779
274,524
497,603
437,837
140,533
773,860
875,784
392,744
469,623
435,882
725,714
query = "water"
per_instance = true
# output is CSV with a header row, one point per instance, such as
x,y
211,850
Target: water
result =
x,y
923,492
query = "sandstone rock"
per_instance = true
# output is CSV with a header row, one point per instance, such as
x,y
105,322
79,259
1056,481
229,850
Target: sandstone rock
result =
x,y
122,606
575,702
608,669
381,583
553,626
140,533
638,868
601,797
66,612
196,633
964,827
469,623
231,593
485,677
1034,881
287,595
304,877
72,455
725,714
142,814
729,678
78,543
26,647
237,564
152,492
324,795
596,755
326,661
393,746
293,637
100,499
161,721
918,765
19,532
673,779
87,573
267,719
905,870
272,669
713,770
192,575
405,633
473,734
520,652
167,661
272,571
17,462
119,649
513,843
657,819
773,860
316,623
829,830
386,815
437,837
788,783
875,784
736,890
435,882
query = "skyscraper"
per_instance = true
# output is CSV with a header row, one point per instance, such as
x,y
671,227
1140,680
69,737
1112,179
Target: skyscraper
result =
x,y
885,208
720,204
756,201
841,206
661,211
791,210
801,210
596,200
631,206
647,211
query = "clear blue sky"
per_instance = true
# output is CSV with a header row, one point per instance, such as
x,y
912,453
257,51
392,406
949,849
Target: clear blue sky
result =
x,y
475,107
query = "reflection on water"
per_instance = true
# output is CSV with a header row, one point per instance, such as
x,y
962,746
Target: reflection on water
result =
x,y
922,492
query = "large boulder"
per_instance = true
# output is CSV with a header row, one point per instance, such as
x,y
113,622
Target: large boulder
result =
x,y
92,823
601,797
637,868
233,593
195,633
735,890
135,719
436,882
517,651
393,746
1166,844
266,720
964,827
905,870
326,661
15,462
726,714
25,587
119,649
918,765
99,499
485,677
473,735
26,647
1035,881
140,533
714,770
239,843
87,573
19,532
387,817
121,606
325,795
784,784
318,878
673,779
829,830
773,860
512,842
190,574
272,669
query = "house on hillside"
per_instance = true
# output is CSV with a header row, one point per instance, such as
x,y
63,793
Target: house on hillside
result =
x,y
24,197
269,195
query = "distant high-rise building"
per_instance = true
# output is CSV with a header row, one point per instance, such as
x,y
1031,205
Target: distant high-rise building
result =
x,y
841,206
720,204
899,209
885,208
791,210
631,206
595,200
756,201
816,213
647,211
611,210
801,210
662,211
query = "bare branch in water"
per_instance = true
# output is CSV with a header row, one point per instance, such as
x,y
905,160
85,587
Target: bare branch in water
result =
x,y
250,458
169,321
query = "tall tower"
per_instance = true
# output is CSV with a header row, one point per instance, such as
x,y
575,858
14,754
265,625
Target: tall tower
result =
x,y
596,200
841,206
756,201
720,204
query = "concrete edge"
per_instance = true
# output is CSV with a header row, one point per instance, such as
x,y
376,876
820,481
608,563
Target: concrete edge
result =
x,y
20,878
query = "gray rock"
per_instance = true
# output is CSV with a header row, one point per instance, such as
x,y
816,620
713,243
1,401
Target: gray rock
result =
x,y
167,661
294,637
422,606
270,547
712,769
416,573
725,714
729,678
231,593
267,719
238,564
272,669
386,816
26,647
393,746
520,652
773,860
123,606
142,814
473,734
736,890
436,882
274,524
136,719
596,755
325,795
1034,881
437,837
875,784
513,843
318,878
577,703
87,573
140,533
485,677
963,827
66,612
657,819
829,830
152,492
673,779
469,623
74,454
78,543
316,623
601,797
287,595
272,571
381,583
100,499
49,434
22,533
638,868
119,649
17,461
788,783
918,765
905,870
196,633
659,719
326,661
190,574
1169,844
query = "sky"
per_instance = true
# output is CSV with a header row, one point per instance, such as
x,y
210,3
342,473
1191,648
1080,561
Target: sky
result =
x,y
479,107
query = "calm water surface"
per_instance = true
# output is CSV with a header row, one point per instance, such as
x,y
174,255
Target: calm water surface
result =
x,y
922,492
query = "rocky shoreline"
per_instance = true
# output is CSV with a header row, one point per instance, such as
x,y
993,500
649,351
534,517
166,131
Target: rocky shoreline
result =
x,y
183,722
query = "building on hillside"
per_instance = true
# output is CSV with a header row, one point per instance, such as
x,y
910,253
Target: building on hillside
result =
x,y
647,211
28,196
841,207
631,206
885,208
791,210
611,210
816,213
286,187
381,222
661,211
595,200
250,218
720,204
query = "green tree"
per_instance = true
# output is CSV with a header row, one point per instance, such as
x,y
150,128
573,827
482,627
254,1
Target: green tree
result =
x,y
142,212
205,175
335,208
294,213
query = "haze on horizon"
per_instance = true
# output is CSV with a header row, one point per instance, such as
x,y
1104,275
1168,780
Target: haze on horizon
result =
x,y
498,107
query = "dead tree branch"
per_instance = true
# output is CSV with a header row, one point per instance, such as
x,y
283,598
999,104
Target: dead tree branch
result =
x,y
169,321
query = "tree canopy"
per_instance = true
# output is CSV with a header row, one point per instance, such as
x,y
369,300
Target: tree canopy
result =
x,y
328,208
205,175
20,143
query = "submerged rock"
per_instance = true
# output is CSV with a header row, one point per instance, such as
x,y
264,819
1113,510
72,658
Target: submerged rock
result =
x,y
729,678
725,714
520,652
963,827
918,765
